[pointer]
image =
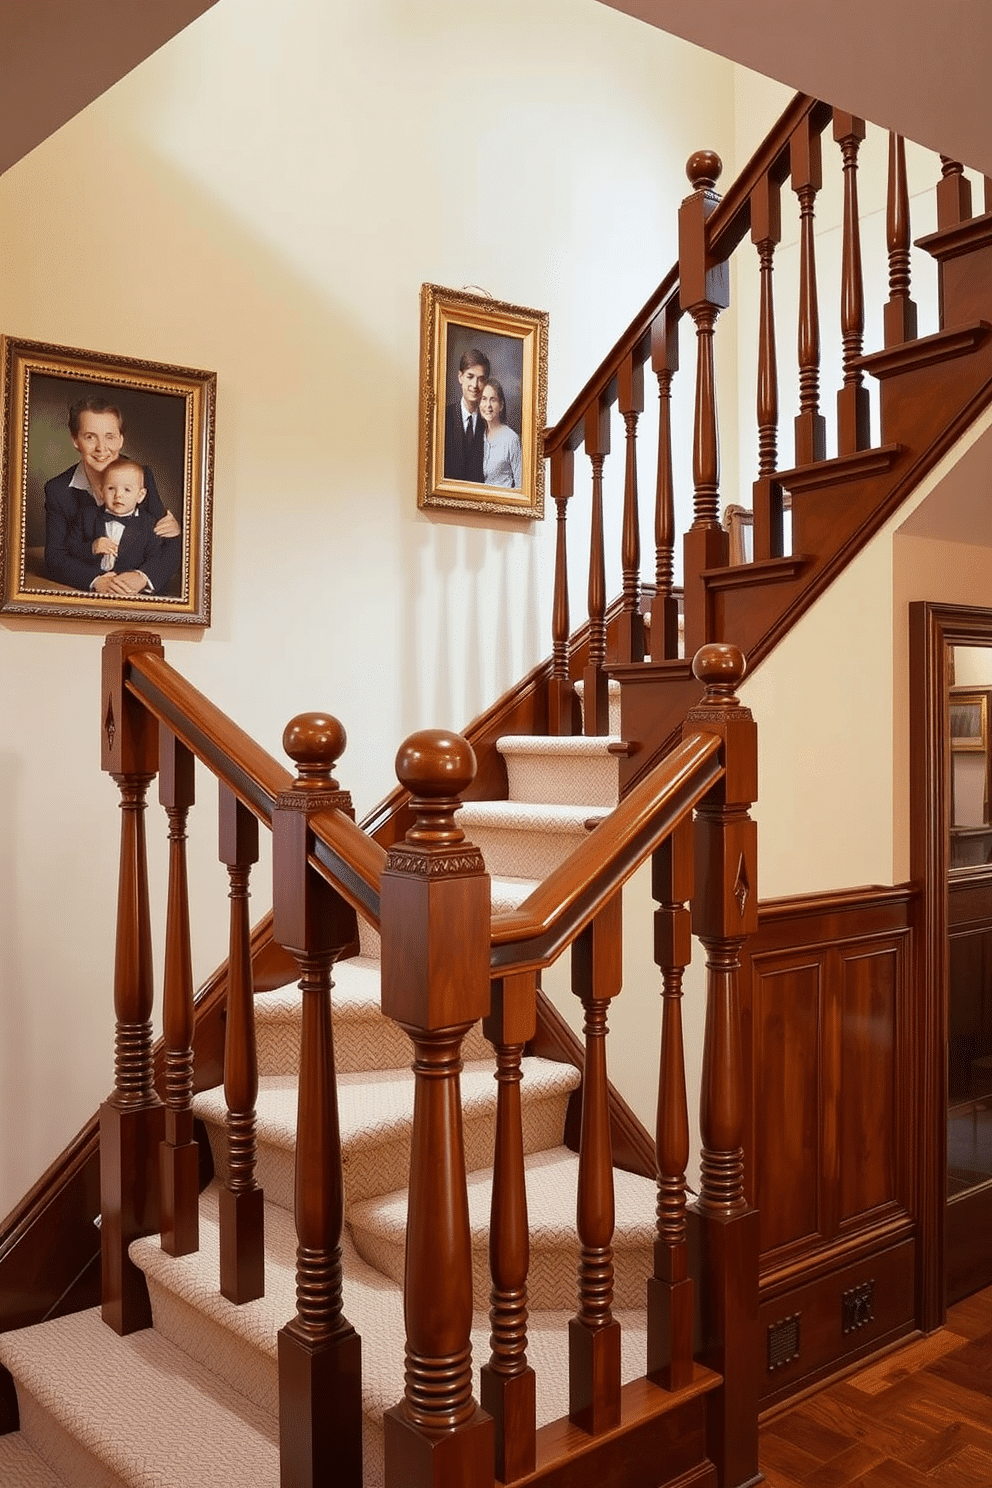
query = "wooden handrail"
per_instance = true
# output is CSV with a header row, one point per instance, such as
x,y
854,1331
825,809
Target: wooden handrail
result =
x,y
726,229
533,935
342,851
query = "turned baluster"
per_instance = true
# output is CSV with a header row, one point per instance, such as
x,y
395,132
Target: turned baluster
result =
x,y
899,316
853,432
704,290
630,401
242,1213
807,178
953,194
724,913
596,682
562,700
670,1295
180,1153
507,1383
132,1118
594,1333
435,984
320,1354
766,233
664,605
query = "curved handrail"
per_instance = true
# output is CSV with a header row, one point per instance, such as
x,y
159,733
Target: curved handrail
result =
x,y
533,935
725,230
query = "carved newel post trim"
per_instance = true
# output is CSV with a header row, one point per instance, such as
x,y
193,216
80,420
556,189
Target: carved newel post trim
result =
x,y
704,290
435,984
132,1118
724,914
320,1359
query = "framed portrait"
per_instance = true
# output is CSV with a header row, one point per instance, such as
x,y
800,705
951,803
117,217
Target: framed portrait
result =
x,y
969,721
483,400
106,471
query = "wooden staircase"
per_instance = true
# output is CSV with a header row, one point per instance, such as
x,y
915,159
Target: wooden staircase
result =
x,y
455,953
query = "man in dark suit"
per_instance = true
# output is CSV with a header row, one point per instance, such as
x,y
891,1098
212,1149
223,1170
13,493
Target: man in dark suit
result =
x,y
464,431
117,542
97,430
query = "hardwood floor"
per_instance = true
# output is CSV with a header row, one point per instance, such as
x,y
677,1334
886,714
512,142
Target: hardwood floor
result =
x,y
919,1418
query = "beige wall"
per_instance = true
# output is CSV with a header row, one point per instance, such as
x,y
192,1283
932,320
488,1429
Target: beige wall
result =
x,y
264,197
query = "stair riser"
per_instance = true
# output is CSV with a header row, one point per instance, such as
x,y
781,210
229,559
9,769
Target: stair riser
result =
x,y
384,1166
65,1453
516,853
551,1280
575,782
361,1045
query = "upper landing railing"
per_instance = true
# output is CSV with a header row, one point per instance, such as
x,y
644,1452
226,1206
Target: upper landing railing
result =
x,y
711,230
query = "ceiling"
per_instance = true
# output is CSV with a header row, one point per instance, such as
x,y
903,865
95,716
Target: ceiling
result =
x,y
56,56
919,67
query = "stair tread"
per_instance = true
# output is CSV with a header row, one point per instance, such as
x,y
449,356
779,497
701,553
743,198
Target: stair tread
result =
x,y
527,816
552,1177
21,1467
372,1303
570,745
106,1392
375,1104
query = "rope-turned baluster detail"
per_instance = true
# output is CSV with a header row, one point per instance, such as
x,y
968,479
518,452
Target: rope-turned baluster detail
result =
x,y
664,631
630,402
132,1118
320,1355
766,234
899,316
436,913
241,1212
594,1333
953,194
724,913
507,1382
596,682
853,431
562,702
670,1291
180,1152
704,291
807,178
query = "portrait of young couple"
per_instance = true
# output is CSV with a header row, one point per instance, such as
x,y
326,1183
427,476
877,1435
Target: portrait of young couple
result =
x,y
483,397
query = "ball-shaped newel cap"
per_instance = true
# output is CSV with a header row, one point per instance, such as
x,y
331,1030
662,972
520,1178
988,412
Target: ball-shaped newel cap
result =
x,y
434,763
720,668
704,168
314,742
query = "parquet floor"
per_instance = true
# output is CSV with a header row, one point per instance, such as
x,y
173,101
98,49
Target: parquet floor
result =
x,y
919,1418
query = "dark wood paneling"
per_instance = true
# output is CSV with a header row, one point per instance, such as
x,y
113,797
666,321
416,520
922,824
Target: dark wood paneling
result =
x,y
969,1244
833,1131
823,1345
787,1034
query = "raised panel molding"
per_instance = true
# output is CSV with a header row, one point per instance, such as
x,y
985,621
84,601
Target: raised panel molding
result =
x,y
829,1004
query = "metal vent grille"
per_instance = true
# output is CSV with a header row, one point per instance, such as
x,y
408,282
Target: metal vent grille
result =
x,y
783,1342
859,1307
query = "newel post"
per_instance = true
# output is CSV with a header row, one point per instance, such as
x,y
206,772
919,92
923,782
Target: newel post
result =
x,y
320,1354
704,290
132,1123
435,984
725,1227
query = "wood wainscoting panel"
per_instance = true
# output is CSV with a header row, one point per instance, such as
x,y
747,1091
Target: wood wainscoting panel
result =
x,y
833,1139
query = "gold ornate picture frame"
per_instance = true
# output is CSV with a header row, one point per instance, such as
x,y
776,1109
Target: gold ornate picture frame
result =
x,y
483,454
161,418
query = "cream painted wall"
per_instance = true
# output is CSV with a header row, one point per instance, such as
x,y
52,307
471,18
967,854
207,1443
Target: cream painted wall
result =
x,y
264,197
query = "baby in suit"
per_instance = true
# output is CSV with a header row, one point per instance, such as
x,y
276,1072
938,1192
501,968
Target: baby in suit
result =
x,y
118,539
